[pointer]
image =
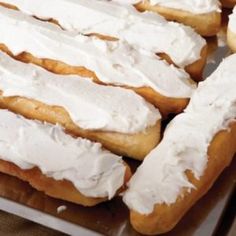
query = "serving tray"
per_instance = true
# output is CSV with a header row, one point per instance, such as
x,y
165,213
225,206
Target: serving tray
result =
x,y
112,218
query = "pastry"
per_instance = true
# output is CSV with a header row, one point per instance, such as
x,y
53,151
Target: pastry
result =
x,y
116,117
202,15
76,170
125,23
231,32
197,145
113,63
228,3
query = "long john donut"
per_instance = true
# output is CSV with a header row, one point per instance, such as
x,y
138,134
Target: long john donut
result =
x,y
82,107
197,145
54,162
165,217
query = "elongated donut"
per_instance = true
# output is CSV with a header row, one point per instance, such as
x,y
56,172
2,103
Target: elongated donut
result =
x,y
110,63
202,15
197,145
75,170
228,3
83,107
125,23
231,32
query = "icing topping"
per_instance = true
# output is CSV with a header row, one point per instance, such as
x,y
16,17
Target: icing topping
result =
x,y
26,143
232,21
123,22
90,106
115,63
194,6
161,178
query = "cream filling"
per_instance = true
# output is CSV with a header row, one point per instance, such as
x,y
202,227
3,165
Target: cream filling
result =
x,y
193,6
113,62
90,106
181,43
232,21
26,143
161,178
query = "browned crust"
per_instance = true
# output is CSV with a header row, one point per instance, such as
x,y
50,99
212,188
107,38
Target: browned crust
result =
x,y
61,189
231,40
228,3
165,104
164,217
205,24
10,6
195,69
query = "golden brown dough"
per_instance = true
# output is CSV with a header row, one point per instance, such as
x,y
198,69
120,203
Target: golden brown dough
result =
x,y
231,39
165,104
228,3
164,217
205,24
61,189
195,69
136,146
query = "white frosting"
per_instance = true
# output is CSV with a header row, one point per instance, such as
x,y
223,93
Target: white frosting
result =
x,y
113,62
193,6
90,106
26,143
161,178
232,21
181,43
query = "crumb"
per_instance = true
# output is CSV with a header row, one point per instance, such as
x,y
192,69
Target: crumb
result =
x,y
60,209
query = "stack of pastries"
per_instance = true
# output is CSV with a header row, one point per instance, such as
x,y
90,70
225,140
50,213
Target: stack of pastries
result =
x,y
83,83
